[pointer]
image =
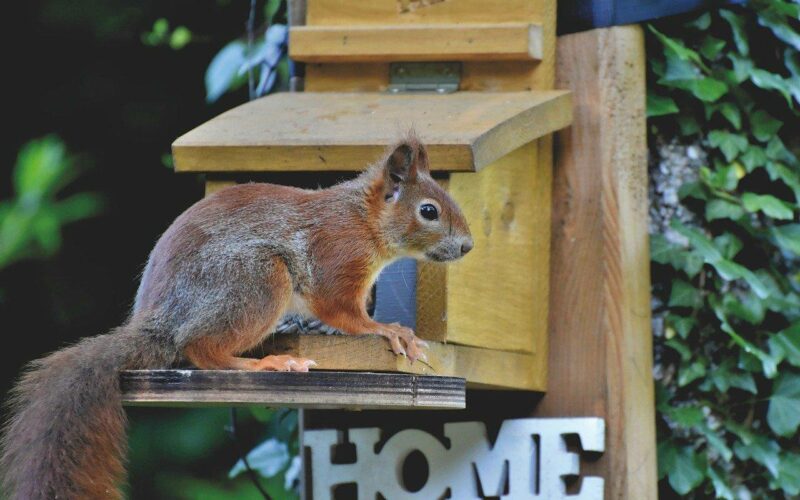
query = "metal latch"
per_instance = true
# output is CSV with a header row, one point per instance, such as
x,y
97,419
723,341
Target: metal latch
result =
x,y
439,77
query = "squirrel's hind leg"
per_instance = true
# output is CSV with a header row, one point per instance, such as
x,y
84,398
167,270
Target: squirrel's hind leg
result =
x,y
198,355
252,315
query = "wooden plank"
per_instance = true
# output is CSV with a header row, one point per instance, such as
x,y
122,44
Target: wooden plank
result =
x,y
503,286
485,368
464,131
600,339
419,42
492,76
214,185
432,301
316,389
296,12
346,12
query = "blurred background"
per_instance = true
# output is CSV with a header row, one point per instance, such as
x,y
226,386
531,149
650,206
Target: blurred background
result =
x,y
95,93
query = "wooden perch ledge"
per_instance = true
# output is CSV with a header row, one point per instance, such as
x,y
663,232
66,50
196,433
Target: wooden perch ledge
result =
x,y
316,389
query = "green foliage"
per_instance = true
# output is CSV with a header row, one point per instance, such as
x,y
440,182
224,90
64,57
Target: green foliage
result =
x,y
277,459
729,396
160,34
31,221
193,445
265,60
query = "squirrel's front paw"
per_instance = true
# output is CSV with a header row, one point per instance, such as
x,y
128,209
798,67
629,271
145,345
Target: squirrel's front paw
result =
x,y
403,341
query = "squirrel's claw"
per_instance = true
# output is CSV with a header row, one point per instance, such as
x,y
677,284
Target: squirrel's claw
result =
x,y
405,343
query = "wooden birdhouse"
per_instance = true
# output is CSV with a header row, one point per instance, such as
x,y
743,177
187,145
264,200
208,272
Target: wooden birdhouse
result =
x,y
475,80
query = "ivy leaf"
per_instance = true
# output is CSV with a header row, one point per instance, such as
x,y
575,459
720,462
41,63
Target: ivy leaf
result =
x,y
698,240
783,415
717,442
701,23
780,28
727,269
737,27
789,474
764,126
790,177
686,416
730,144
711,47
679,70
770,81
706,89
761,449
681,348
682,325
664,252
723,177
749,308
754,157
721,488
742,66
728,244
731,113
787,344
743,381
690,372
684,468
723,209
787,236
778,151
770,205
659,106
684,295
769,364
677,48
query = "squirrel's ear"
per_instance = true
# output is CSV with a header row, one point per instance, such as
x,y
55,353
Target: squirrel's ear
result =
x,y
401,165
422,159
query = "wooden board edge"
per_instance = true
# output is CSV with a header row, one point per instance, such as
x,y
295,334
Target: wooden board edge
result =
x,y
485,367
536,122
457,42
317,389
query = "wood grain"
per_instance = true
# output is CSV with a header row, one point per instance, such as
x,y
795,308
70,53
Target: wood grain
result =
x,y
493,76
484,368
432,301
600,339
417,42
316,389
214,185
496,297
346,12
315,131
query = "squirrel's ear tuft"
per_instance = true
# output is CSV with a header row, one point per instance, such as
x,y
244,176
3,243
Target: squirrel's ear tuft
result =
x,y
401,164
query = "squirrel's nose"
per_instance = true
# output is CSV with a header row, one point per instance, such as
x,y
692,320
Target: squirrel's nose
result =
x,y
466,246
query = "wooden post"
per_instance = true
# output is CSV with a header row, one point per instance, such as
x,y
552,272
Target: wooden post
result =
x,y
600,333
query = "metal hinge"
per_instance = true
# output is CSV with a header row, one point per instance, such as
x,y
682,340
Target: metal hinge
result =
x,y
439,77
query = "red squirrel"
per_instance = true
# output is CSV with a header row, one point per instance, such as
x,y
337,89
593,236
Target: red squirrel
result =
x,y
215,285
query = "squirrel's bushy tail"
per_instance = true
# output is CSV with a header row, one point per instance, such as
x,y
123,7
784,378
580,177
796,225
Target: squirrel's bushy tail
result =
x,y
66,437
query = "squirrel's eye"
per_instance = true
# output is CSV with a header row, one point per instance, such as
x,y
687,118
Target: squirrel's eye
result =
x,y
428,212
